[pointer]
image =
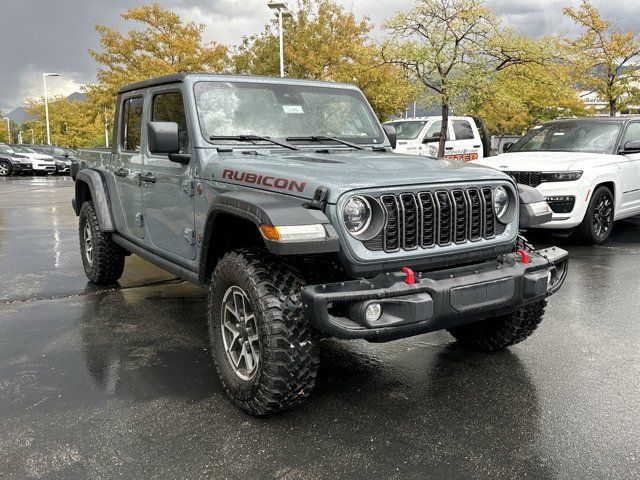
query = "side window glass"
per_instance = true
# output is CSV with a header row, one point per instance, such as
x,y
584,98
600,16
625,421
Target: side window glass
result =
x,y
434,129
132,124
168,107
462,130
632,134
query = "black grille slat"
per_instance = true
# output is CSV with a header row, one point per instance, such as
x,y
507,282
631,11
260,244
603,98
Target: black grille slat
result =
x,y
460,217
391,237
445,220
475,214
489,216
409,207
428,219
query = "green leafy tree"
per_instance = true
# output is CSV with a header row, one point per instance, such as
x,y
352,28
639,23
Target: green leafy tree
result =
x,y
604,57
324,41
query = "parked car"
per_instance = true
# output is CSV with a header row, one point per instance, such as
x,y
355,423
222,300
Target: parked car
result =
x,y
588,169
466,140
12,162
63,157
284,199
40,162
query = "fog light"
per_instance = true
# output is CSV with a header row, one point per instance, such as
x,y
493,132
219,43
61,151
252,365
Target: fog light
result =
x,y
550,278
373,312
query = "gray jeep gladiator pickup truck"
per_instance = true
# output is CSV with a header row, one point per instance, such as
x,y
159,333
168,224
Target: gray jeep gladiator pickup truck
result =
x,y
283,198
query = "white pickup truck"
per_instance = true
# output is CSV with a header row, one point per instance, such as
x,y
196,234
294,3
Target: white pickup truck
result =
x,y
587,168
421,136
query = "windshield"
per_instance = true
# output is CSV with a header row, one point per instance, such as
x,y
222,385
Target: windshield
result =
x,y
407,130
284,111
572,136
23,149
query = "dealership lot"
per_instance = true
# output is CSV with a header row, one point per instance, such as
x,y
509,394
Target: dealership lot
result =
x,y
102,382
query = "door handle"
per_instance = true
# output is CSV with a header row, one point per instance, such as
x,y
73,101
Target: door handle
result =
x,y
149,178
448,148
477,146
121,172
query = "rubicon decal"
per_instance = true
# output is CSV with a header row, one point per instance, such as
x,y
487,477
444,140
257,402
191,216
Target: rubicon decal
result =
x,y
264,180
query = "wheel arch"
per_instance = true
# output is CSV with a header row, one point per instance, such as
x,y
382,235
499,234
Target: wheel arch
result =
x,y
91,185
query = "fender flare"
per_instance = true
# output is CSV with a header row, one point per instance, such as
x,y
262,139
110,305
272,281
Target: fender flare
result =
x,y
99,195
271,209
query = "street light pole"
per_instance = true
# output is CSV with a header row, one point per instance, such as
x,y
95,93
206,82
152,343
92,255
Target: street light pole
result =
x,y
46,102
8,129
282,12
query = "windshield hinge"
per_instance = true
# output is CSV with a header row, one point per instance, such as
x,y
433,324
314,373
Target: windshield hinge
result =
x,y
140,219
319,201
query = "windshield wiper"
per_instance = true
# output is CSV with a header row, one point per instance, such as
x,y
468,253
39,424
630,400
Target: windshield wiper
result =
x,y
253,138
320,138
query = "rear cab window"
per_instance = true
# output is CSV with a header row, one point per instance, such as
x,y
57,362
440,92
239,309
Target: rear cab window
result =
x,y
131,124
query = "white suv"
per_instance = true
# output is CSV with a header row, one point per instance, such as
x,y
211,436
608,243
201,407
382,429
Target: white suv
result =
x,y
41,162
421,136
587,168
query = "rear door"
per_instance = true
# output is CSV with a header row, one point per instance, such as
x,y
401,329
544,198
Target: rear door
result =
x,y
128,163
630,172
168,201
467,145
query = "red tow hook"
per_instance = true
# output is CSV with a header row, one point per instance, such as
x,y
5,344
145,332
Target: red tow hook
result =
x,y
410,278
524,256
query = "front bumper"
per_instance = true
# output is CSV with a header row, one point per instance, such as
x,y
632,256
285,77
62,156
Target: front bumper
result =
x,y
436,300
22,168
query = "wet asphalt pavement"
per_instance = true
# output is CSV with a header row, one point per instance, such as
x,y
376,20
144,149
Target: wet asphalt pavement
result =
x,y
117,382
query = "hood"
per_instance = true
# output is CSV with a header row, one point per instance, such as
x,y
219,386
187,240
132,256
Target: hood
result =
x,y
300,173
547,161
38,156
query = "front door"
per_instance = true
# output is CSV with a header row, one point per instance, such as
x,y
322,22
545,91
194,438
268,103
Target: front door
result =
x,y
168,201
128,165
630,172
433,130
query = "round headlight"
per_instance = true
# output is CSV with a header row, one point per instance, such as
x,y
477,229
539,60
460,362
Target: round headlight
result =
x,y
356,214
501,203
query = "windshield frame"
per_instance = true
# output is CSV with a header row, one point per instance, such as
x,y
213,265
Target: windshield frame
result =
x,y
534,130
380,140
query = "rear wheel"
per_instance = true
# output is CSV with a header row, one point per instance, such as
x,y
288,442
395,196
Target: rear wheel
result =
x,y
265,350
501,332
5,169
102,258
598,220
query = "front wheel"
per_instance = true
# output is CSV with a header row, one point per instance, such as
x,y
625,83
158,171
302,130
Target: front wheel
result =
x,y
5,169
501,332
265,350
598,220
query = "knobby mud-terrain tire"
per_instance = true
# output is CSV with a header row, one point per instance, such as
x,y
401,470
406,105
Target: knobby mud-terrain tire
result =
x,y
278,368
600,207
501,332
102,258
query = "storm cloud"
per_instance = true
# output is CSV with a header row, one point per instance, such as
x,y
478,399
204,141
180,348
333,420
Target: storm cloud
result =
x,y
53,36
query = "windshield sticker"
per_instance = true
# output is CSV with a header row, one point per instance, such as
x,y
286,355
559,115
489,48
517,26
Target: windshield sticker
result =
x,y
292,109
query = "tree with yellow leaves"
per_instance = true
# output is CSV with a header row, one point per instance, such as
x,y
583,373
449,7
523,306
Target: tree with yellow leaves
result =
x,y
163,45
324,41
604,57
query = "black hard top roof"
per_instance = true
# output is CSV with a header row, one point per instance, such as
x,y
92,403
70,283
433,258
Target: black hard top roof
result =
x,y
153,82
625,118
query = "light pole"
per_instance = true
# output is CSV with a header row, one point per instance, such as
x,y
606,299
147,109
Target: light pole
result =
x,y
8,129
46,102
282,12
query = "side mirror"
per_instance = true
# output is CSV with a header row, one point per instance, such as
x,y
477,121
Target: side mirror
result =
x,y
534,210
631,146
507,146
390,130
435,138
163,138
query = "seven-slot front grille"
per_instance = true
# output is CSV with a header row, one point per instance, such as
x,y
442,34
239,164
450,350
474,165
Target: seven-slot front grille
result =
x,y
533,179
442,217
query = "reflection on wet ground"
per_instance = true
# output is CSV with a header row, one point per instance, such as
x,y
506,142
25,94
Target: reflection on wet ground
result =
x,y
100,383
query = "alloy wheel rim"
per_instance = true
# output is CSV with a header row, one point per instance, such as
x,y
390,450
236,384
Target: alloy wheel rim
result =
x,y
4,169
240,333
88,243
602,216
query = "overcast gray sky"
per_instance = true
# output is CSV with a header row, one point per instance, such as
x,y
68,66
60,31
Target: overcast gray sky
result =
x,y
53,36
